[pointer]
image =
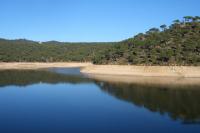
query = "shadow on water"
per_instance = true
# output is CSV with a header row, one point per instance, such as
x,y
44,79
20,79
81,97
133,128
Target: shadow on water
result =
x,y
180,103
51,76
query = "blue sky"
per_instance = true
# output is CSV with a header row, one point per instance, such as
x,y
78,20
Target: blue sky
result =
x,y
88,20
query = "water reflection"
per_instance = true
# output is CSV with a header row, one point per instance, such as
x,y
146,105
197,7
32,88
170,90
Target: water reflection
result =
x,y
29,77
179,103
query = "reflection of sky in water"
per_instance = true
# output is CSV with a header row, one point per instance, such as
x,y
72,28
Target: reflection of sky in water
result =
x,y
85,107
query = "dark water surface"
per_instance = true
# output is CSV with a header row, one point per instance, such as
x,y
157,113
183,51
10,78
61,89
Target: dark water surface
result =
x,y
63,100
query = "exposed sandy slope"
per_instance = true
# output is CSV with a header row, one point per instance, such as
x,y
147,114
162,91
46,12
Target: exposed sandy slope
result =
x,y
164,81
15,65
148,71
145,75
125,70
173,75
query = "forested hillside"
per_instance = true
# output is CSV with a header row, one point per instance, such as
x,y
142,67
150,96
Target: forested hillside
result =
x,y
30,51
178,44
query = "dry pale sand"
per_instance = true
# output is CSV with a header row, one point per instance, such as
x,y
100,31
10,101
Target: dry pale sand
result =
x,y
164,81
145,71
171,75
146,75
37,65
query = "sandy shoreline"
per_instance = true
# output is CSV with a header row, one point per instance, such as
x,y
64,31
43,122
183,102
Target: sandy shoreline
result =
x,y
161,81
145,75
120,70
38,65
159,75
145,71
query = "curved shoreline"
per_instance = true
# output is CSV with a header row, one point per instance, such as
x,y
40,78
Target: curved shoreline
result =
x,y
115,70
160,75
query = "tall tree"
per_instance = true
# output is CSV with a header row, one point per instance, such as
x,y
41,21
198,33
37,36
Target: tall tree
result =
x,y
153,30
196,19
188,18
163,27
176,21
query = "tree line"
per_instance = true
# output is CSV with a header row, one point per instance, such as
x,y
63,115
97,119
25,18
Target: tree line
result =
x,y
177,44
30,51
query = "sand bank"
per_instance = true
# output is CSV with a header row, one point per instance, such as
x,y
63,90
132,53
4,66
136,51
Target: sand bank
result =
x,y
145,75
36,65
145,71
141,80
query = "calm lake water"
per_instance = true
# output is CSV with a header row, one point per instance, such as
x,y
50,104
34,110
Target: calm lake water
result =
x,y
63,100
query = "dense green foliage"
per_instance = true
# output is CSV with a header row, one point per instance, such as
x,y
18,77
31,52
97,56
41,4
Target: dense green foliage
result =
x,y
178,44
30,51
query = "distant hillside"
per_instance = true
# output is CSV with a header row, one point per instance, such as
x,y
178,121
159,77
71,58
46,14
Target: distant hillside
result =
x,y
178,44
29,51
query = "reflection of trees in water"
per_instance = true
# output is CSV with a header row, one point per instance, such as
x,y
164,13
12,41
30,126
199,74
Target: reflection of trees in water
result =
x,y
180,103
28,77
